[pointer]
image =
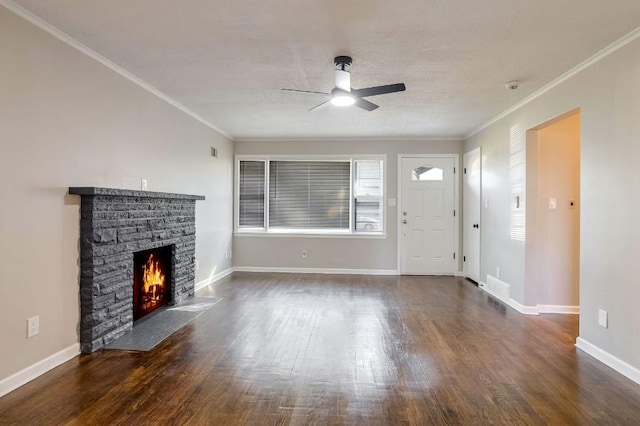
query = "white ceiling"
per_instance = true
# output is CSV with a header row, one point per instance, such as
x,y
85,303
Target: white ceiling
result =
x,y
226,60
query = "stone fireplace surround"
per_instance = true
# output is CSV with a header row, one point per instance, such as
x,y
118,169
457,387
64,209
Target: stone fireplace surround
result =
x,y
114,224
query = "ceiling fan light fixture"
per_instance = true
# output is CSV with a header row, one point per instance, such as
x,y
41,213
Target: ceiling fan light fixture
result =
x,y
343,100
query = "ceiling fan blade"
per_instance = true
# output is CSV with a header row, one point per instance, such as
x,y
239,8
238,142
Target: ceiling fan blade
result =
x,y
364,104
320,105
306,91
379,90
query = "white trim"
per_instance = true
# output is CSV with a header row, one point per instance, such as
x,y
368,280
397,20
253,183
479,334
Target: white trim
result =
x,y
559,309
33,371
390,138
66,38
460,274
336,271
220,275
456,202
530,310
526,310
606,358
299,234
523,309
623,41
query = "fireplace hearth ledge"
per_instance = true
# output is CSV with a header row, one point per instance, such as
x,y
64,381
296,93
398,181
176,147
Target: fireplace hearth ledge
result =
x,y
114,224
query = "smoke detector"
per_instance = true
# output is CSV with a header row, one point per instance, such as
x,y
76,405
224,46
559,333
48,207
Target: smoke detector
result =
x,y
512,85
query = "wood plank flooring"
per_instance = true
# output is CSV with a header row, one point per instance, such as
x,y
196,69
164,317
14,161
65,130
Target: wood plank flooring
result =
x,y
299,349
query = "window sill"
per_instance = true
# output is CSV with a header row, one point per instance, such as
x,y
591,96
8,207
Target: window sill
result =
x,y
371,235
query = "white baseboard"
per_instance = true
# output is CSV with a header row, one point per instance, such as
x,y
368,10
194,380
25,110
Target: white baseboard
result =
x,y
213,278
606,358
559,309
500,290
337,271
25,375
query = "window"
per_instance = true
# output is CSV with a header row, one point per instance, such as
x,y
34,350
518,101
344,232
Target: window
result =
x,y
336,196
427,173
368,195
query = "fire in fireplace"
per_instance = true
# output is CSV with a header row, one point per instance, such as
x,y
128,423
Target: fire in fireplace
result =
x,y
151,280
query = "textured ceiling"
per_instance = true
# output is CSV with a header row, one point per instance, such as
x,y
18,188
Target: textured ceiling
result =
x,y
227,60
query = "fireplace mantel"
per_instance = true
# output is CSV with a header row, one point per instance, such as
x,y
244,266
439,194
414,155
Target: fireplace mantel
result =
x,y
114,192
114,224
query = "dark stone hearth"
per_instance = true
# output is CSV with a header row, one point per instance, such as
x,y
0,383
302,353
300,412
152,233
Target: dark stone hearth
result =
x,y
114,224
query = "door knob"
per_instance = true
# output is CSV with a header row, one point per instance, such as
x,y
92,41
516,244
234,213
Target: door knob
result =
x,y
404,221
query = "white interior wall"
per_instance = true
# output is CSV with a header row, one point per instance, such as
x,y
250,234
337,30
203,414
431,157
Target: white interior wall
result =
x,y
359,253
607,93
66,120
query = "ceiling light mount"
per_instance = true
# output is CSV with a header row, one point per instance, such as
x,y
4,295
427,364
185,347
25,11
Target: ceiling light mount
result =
x,y
342,62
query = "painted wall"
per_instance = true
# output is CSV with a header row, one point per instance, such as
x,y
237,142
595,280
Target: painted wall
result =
x,y
608,95
364,253
553,235
66,120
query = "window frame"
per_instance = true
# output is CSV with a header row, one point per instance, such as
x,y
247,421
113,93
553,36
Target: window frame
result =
x,y
268,232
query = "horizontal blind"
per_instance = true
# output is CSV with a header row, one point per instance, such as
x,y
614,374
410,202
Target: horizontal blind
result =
x,y
251,194
309,194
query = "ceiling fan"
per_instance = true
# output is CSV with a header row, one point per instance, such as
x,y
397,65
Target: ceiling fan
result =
x,y
344,95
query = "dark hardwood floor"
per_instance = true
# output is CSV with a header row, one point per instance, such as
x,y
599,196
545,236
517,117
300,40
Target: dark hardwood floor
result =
x,y
325,349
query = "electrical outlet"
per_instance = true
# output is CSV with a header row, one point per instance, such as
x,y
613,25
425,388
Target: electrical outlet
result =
x,y
305,254
197,265
497,272
143,184
230,254
553,203
603,318
33,326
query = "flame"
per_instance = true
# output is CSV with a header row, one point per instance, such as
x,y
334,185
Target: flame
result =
x,y
153,279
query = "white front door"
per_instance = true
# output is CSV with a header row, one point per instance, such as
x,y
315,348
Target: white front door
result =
x,y
427,216
471,200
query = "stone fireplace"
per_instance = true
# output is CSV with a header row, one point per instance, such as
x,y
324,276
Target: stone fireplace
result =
x,y
116,227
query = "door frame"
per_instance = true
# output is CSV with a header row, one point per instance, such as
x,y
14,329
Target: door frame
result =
x,y
456,205
464,236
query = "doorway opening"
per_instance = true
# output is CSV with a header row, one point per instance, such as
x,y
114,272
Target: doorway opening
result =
x,y
552,259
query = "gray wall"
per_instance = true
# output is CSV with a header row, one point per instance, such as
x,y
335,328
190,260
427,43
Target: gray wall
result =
x,y
363,253
67,120
607,94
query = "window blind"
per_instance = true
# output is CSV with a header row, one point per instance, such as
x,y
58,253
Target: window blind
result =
x,y
309,194
251,194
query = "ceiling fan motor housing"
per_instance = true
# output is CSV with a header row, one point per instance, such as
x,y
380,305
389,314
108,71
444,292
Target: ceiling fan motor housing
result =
x,y
342,74
342,62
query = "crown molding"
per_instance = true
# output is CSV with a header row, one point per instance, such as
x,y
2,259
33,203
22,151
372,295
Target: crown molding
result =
x,y
562,78
66,38
354,139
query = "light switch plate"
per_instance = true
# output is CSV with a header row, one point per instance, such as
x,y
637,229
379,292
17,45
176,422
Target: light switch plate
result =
x,y
603,318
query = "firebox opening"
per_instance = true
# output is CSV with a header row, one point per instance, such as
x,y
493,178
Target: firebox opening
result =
x,y
151,280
